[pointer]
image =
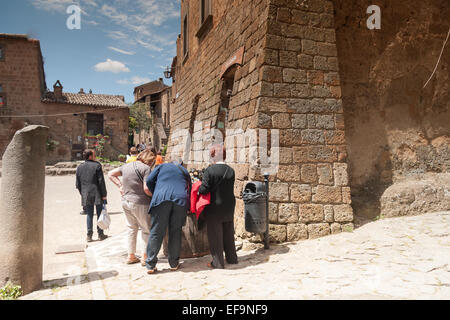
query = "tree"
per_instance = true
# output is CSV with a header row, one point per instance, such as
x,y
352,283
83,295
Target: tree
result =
x,y
140,118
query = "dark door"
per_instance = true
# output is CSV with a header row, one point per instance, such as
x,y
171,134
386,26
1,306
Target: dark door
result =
x,y
94,124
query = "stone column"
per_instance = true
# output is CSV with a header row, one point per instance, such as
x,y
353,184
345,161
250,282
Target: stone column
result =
x,y
301,96
22,208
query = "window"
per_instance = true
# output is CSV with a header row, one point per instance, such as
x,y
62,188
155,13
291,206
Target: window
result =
x,y
94,124
205,18
185,35
205,10
2,97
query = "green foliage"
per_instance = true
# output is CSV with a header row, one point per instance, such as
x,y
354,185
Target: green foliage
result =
x,y
140,117
99,145
10,292
51,145
164,151
108,161
132,122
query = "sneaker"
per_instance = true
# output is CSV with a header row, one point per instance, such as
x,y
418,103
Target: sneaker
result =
x,y
102,237
89,238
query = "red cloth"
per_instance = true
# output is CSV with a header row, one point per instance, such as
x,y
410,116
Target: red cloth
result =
x,y
198,201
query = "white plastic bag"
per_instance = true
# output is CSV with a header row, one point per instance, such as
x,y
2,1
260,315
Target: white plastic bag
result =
x,y
104,221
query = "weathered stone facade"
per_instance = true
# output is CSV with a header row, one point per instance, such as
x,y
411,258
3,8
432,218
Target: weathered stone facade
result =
x,y
28,101
396,128
157,97
288,80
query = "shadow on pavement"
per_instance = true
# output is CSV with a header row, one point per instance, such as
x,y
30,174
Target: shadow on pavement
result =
x,y
251,259
78,279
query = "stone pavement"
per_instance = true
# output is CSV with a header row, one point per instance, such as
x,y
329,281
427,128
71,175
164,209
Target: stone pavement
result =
x,y
397,258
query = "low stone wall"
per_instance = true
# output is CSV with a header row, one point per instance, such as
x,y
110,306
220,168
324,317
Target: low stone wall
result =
x,y
413,196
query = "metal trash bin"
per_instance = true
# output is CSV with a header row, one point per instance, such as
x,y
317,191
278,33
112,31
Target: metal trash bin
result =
x,y
255,207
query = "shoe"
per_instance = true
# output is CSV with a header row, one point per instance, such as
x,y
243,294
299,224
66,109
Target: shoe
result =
x,y
89,238
133,261
102,237
152,270
176,268
82,212
143,263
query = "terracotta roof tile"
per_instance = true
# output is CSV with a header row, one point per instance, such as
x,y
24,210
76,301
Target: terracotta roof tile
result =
x,y
88,99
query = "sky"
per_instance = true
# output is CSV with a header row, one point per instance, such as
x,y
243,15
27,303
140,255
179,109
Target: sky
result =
x,y
120,44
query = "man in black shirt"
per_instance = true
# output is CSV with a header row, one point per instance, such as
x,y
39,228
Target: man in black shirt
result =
x,y
91,185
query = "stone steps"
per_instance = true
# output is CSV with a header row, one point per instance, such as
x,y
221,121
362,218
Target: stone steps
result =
x,y
67,168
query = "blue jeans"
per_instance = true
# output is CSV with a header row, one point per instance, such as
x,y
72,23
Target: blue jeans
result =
x,y
90,218
166,215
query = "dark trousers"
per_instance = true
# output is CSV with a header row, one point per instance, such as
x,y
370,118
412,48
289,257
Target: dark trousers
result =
x,y
221,238
89,210
166,216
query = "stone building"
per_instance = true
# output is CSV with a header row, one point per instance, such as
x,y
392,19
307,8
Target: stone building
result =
x,y
157,96
70,116
348,102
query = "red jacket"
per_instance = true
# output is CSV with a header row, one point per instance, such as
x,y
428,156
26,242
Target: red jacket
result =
x,y
198,201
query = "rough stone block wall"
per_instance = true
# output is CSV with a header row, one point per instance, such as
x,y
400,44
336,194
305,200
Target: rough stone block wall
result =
x,y
301,96
288,81
66,130
235,24
395,128
21,81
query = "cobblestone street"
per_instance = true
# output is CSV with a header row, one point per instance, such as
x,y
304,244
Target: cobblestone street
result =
x,y
398,258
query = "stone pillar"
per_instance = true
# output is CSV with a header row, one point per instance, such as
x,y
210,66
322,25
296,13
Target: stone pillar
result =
x,y
301,96
22,208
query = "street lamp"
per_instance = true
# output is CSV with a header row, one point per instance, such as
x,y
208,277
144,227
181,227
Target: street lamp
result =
x,y
167,73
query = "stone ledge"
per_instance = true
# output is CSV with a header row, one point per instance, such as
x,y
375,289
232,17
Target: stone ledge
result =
x,y
414,196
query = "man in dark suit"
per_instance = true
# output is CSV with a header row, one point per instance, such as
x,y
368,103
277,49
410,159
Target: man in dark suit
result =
x,y
218,180
91,185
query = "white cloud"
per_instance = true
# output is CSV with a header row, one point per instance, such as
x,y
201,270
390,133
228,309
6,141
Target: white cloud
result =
x,y
91,22
52,5
137,23
130,53
136,80
112,13
117,35
111,66
149,46
61,6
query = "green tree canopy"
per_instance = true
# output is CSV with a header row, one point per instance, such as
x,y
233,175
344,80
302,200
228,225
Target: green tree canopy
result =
x,y
140,117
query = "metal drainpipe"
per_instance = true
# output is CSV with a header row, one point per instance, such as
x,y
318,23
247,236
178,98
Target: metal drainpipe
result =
x,y
266,234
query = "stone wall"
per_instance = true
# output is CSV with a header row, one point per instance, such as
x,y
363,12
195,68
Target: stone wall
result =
x,y
22,80
68,130
395,128
288,81
301,96
198,83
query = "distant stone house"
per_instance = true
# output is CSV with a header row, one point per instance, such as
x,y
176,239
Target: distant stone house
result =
x,y
157,97
71,117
